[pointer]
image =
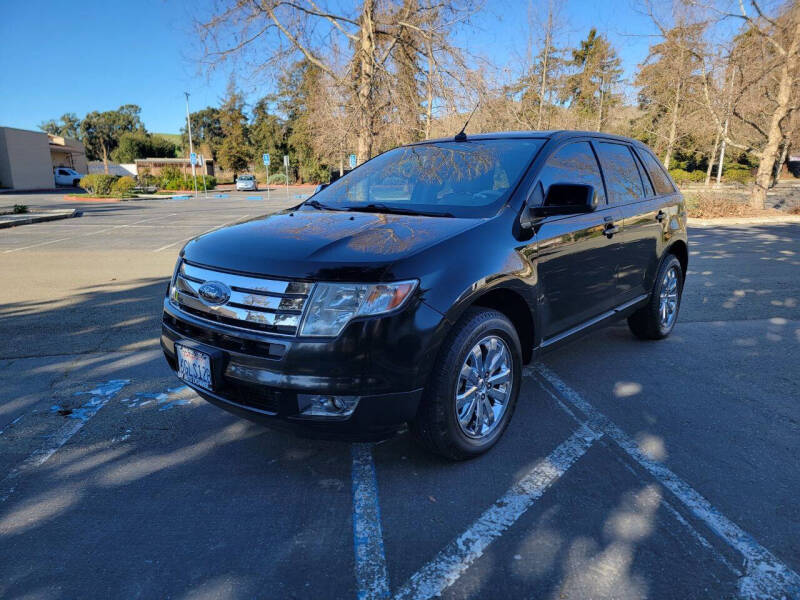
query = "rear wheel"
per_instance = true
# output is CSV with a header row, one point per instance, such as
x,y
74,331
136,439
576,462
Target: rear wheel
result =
x,y
474,387
656,319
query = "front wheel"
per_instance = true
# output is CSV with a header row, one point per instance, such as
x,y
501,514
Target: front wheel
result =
x,y
474,387
656,319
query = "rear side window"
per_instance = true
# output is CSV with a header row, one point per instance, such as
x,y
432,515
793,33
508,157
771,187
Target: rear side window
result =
x,y
657,175
573,163
622,174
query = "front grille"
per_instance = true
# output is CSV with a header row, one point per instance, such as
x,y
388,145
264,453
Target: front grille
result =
x,y
255,303
226,342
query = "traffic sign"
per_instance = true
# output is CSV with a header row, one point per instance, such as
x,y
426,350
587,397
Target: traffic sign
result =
x,y
265,158
286,160
352,161
193,158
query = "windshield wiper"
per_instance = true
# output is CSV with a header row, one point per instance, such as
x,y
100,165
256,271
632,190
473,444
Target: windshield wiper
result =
x,y
319,205
396,210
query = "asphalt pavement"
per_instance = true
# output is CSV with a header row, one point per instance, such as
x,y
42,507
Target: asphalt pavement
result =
x,y
630,470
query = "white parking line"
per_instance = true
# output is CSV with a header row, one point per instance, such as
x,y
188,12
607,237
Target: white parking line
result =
x,y
372,576
240,219
432,579
78,419
765,576
106,230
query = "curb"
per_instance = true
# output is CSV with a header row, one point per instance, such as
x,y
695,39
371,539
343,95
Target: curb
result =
x,y
34,218
743,221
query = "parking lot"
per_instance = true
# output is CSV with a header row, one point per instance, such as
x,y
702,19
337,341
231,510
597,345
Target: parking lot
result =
x,y
630,470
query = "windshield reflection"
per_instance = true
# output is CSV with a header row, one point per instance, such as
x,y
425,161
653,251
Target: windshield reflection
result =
x,y
461,179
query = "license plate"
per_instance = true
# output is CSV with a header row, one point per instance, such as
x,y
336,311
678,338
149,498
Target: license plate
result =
x,y
194,366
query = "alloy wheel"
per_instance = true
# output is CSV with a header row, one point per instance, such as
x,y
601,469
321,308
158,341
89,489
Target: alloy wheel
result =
x,y
668,298
485,383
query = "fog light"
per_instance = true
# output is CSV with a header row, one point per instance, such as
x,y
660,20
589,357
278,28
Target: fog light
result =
x,y
338,407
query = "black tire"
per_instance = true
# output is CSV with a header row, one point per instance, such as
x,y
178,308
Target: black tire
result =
x,y
646,322
76,182
436,424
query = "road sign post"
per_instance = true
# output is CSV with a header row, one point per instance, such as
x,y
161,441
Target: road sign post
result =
x,y
193,160
286,168
265,158
205,189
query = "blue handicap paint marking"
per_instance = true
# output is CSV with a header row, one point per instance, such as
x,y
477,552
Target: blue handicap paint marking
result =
x,y
180,197
222,195
254,198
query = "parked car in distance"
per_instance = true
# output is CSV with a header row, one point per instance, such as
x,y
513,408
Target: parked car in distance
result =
x,y
415,288
246,183
67,176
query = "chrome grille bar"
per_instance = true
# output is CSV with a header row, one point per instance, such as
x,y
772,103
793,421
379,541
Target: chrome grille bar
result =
x,y
255,303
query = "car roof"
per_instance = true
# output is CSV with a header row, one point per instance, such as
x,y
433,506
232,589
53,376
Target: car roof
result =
x,y
548,134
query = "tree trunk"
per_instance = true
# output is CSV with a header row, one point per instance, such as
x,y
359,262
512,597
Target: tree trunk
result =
x,y
769,154
676,107
105,159
602,98
365,92
545,57
785,143
711,159
429,90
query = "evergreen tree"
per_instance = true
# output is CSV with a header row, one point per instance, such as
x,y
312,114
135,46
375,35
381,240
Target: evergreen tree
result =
x,y
234,153
591,89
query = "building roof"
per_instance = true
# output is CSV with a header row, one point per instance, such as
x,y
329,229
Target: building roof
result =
x,y
176,161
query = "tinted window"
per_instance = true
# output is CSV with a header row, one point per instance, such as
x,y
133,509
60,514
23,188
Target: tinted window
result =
x,y
573,163
660,179
622,175
465,179
648,186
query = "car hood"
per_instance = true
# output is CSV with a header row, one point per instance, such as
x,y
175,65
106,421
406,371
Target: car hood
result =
x,y
318,244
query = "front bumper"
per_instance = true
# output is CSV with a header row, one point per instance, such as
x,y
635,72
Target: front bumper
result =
x,y
383,361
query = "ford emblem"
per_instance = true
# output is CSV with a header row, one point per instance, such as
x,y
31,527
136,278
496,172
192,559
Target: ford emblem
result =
x,y
214,293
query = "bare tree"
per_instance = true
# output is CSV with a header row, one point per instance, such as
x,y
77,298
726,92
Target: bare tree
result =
x,y
372,33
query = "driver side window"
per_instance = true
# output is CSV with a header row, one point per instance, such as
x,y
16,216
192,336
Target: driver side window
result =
x,y
573,163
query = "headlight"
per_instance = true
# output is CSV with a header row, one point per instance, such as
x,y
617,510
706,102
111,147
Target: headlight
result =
x,y
333,305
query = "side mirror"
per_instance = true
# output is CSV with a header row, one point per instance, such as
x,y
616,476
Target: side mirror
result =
x,y
320,187
566,199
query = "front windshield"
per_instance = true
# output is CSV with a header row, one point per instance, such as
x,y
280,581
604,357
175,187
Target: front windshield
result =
x,y
460,179
245,178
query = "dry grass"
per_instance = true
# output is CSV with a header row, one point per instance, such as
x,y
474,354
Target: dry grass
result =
x,y
711,206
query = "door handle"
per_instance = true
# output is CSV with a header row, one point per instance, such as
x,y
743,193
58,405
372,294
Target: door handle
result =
x,y
610,229
660,216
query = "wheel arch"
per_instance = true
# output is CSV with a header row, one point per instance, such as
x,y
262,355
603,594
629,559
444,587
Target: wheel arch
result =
x,y
511,303
680,250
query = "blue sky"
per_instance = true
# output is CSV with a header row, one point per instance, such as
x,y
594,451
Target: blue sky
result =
x,y
97,55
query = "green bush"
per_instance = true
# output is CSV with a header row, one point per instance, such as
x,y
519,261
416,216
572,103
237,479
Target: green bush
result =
x,y
737,175
680,176
20,209
277,178
187,183
98,184
123,186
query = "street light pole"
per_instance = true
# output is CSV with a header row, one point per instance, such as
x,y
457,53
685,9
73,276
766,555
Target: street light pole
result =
x,y
191,148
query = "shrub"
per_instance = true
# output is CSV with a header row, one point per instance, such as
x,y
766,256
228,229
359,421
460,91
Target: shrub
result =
x,y
737,175
123,186
680,176
20,209
187,183
98,184
277,178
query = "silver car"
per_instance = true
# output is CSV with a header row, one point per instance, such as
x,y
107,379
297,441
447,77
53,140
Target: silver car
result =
x,y
246,183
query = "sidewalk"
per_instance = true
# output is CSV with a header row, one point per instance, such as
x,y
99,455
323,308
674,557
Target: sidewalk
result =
x,y
36,216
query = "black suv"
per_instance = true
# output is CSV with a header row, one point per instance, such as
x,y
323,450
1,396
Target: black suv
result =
x,y
415,288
